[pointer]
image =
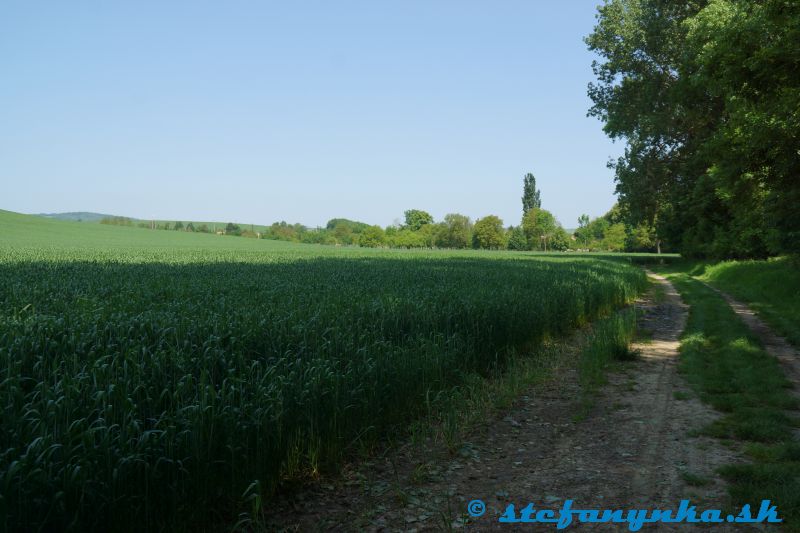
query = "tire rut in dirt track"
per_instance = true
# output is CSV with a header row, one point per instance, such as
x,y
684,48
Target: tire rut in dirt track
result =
x,y
634,446
628,452
774,344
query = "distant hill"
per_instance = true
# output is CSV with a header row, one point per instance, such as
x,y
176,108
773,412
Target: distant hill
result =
x,y
81,216
86,216
33,231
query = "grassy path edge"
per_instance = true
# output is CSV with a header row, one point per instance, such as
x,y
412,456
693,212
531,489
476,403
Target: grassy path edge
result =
x,y
775,344
728,367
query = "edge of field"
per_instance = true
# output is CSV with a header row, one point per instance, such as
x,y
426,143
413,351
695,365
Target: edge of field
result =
x,y
730,369
591,350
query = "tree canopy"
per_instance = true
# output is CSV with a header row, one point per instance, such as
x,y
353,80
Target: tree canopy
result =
x,y
706,95
416,218
488,233
543,232
454,232
531,196
372,237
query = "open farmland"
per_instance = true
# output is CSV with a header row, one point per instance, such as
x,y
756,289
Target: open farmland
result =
x,y
178,383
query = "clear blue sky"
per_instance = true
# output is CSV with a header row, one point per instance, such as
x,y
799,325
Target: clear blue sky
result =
x,y
299,111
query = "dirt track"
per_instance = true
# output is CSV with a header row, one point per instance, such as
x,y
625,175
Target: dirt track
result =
x,y
773,343
634,449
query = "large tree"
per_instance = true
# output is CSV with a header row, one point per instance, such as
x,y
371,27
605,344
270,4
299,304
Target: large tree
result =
x,y
747,54
405,238
416,218
582,233
372,237
531,196
488,233
517,239
454,232
706,96
542,230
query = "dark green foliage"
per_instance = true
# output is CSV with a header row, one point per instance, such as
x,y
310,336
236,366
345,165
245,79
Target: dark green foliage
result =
x,y
162,390
517,239
531,196
707,97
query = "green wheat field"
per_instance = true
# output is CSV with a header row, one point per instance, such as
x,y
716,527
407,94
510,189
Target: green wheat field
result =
x,y
157,378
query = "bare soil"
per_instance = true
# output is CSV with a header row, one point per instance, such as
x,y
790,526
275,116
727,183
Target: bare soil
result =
x,y
633,448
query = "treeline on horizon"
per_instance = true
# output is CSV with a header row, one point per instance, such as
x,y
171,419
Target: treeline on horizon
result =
x,y
706,95
537,230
